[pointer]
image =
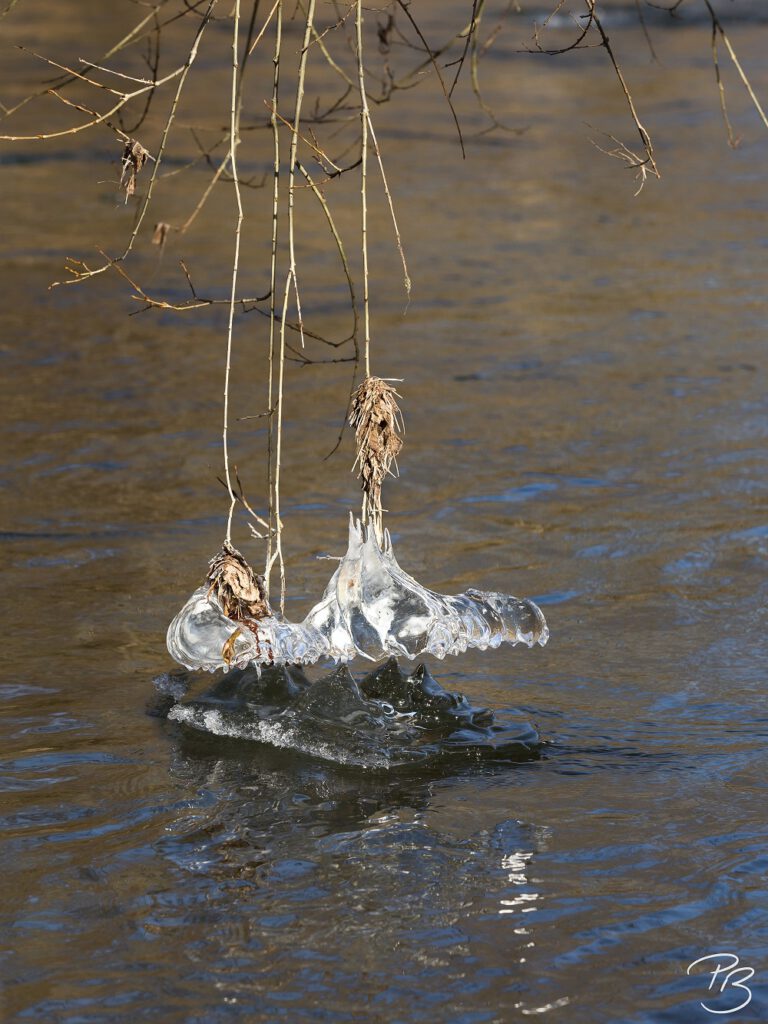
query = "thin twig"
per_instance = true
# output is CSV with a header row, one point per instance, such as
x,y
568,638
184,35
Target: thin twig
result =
x,y
150,302
204,198
342,254
125,97
290,280
649,164
409,16
577,43
240,494
8,8
364,118
234,138
322,156
716,23
264,27
388,194
732,140
471,33
646,33
273,287
125,41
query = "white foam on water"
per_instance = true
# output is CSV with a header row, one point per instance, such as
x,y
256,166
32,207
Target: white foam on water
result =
x,y
212,720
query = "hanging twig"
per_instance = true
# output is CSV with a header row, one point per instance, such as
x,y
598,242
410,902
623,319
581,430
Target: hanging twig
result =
x,y
646,33
234,139
717,24
342,255
290,280
645,165
273,287
732,140
240,495
197,301
409,16
474,76
388,194
8,8
364,118
477,6
252,46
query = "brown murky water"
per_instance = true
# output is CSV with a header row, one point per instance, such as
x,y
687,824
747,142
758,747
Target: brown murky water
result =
x,y
585,398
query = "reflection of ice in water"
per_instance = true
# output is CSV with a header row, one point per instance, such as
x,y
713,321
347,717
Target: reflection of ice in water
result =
x,y
516,865
370,608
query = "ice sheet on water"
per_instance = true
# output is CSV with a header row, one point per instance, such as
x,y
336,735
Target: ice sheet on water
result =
x,y
387,718
371,608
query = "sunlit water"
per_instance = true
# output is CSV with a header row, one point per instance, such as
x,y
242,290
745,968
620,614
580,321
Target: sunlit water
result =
x,y
585,400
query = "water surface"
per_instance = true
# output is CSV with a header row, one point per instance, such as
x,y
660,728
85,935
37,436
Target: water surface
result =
x,y
585,398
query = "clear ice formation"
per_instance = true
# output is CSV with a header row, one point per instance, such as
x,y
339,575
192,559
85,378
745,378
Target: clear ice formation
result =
x,y
386,719
371,608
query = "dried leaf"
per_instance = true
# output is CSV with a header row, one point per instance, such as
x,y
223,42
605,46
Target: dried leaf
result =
x,y
160,233
134,158
228,650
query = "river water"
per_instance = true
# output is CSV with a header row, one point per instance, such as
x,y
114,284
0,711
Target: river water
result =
x,y
584,388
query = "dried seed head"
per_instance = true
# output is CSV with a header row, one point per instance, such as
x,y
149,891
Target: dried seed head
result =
x,y
238,589
376,418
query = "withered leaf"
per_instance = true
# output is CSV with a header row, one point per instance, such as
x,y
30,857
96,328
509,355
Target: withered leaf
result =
x,y
160,233
228,650
134,158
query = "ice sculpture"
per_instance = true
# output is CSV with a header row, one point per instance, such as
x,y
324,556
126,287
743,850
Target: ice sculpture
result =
x,y
371,608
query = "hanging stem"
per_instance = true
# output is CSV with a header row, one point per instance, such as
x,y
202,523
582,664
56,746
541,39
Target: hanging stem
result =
x,y
388,194
717,25
234,138
364,119
290,280
273,291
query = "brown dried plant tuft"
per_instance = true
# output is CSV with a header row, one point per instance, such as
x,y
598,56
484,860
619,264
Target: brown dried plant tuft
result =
x,y
238,589
376,418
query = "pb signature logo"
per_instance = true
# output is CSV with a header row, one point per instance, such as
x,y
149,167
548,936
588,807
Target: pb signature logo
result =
x,y
725,974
